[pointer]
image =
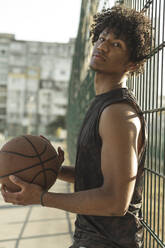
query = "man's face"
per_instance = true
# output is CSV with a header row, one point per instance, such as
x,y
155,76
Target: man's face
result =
x,y
110,54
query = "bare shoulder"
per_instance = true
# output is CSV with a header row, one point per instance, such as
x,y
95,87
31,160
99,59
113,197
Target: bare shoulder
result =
x,y
119,116
120,110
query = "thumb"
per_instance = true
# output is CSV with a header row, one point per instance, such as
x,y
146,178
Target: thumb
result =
x,y
61,153
17,181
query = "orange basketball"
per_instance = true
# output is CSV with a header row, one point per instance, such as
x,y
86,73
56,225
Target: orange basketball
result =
x,y
31,158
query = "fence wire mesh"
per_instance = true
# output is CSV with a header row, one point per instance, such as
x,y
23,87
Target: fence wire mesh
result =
x,y
150,93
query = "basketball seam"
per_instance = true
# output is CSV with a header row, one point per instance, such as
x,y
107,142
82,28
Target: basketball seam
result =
x,y
23,155
30,167
41,163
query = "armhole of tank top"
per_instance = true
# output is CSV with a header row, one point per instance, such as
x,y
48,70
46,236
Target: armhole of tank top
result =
x,y
144,137
101,111
132,102
142,120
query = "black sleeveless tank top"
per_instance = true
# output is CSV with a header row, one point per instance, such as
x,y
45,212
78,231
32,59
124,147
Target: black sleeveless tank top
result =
x,y
106,231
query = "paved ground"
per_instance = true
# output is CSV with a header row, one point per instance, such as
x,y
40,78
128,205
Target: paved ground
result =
x,y
36,226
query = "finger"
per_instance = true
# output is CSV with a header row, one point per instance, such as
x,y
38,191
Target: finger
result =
x,y
60,151
2,190
10,197
61,155
16,180
2,187
60,148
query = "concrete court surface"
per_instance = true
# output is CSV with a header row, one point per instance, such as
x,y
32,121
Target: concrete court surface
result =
x,y
36,226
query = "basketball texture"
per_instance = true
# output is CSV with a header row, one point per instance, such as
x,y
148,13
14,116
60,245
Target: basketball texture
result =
x,y
31,158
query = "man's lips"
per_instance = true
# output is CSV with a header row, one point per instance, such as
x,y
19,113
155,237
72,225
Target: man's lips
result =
x,y
98,56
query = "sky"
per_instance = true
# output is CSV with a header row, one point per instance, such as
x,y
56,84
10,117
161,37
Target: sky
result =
x,y
40,20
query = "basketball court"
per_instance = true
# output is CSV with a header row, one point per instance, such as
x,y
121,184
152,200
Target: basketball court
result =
x,y
36,226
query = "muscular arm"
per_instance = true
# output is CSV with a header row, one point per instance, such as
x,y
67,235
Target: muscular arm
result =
x,y
119,131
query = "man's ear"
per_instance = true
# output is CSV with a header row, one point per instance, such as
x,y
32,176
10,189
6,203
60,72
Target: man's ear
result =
x,y
131,67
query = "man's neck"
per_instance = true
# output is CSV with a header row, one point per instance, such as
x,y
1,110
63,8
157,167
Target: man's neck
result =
x,y
105,82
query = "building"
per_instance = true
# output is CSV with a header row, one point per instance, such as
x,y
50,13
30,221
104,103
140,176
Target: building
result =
x,y
5,40
33,84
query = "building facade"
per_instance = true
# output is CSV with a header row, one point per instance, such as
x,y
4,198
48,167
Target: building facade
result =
x,y
33,84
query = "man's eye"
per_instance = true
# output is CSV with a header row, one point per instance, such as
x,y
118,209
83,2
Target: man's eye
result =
x,y
116,44
101,38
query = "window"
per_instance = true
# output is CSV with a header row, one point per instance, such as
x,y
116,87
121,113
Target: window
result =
x,y
63,72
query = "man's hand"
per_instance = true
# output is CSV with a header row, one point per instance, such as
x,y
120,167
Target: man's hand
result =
x,y
59,149
29,193
60,155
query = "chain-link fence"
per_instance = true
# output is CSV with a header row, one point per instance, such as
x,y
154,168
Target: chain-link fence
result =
x,y
150,93
81,82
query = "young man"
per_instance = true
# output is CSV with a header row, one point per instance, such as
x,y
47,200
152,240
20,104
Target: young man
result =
x,y
111,145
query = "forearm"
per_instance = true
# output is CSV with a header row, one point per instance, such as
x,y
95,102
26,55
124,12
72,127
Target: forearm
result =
x,y
67,173
89,202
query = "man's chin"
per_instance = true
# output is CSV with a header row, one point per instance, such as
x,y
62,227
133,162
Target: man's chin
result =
x,y
93,68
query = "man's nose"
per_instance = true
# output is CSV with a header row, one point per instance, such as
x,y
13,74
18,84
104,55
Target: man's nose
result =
x,y
103,47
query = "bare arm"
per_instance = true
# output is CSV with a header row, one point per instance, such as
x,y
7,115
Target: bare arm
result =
x,y
119,132
66,173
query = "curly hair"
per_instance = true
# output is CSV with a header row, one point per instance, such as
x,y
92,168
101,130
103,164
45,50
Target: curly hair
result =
x,y
131,26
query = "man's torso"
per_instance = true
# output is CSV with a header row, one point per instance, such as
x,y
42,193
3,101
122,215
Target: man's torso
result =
x,y
116,231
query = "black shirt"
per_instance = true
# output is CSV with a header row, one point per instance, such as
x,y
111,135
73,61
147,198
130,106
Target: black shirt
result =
x,y
111,231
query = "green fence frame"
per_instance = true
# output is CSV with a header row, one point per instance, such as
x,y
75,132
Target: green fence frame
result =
x,y
81,82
